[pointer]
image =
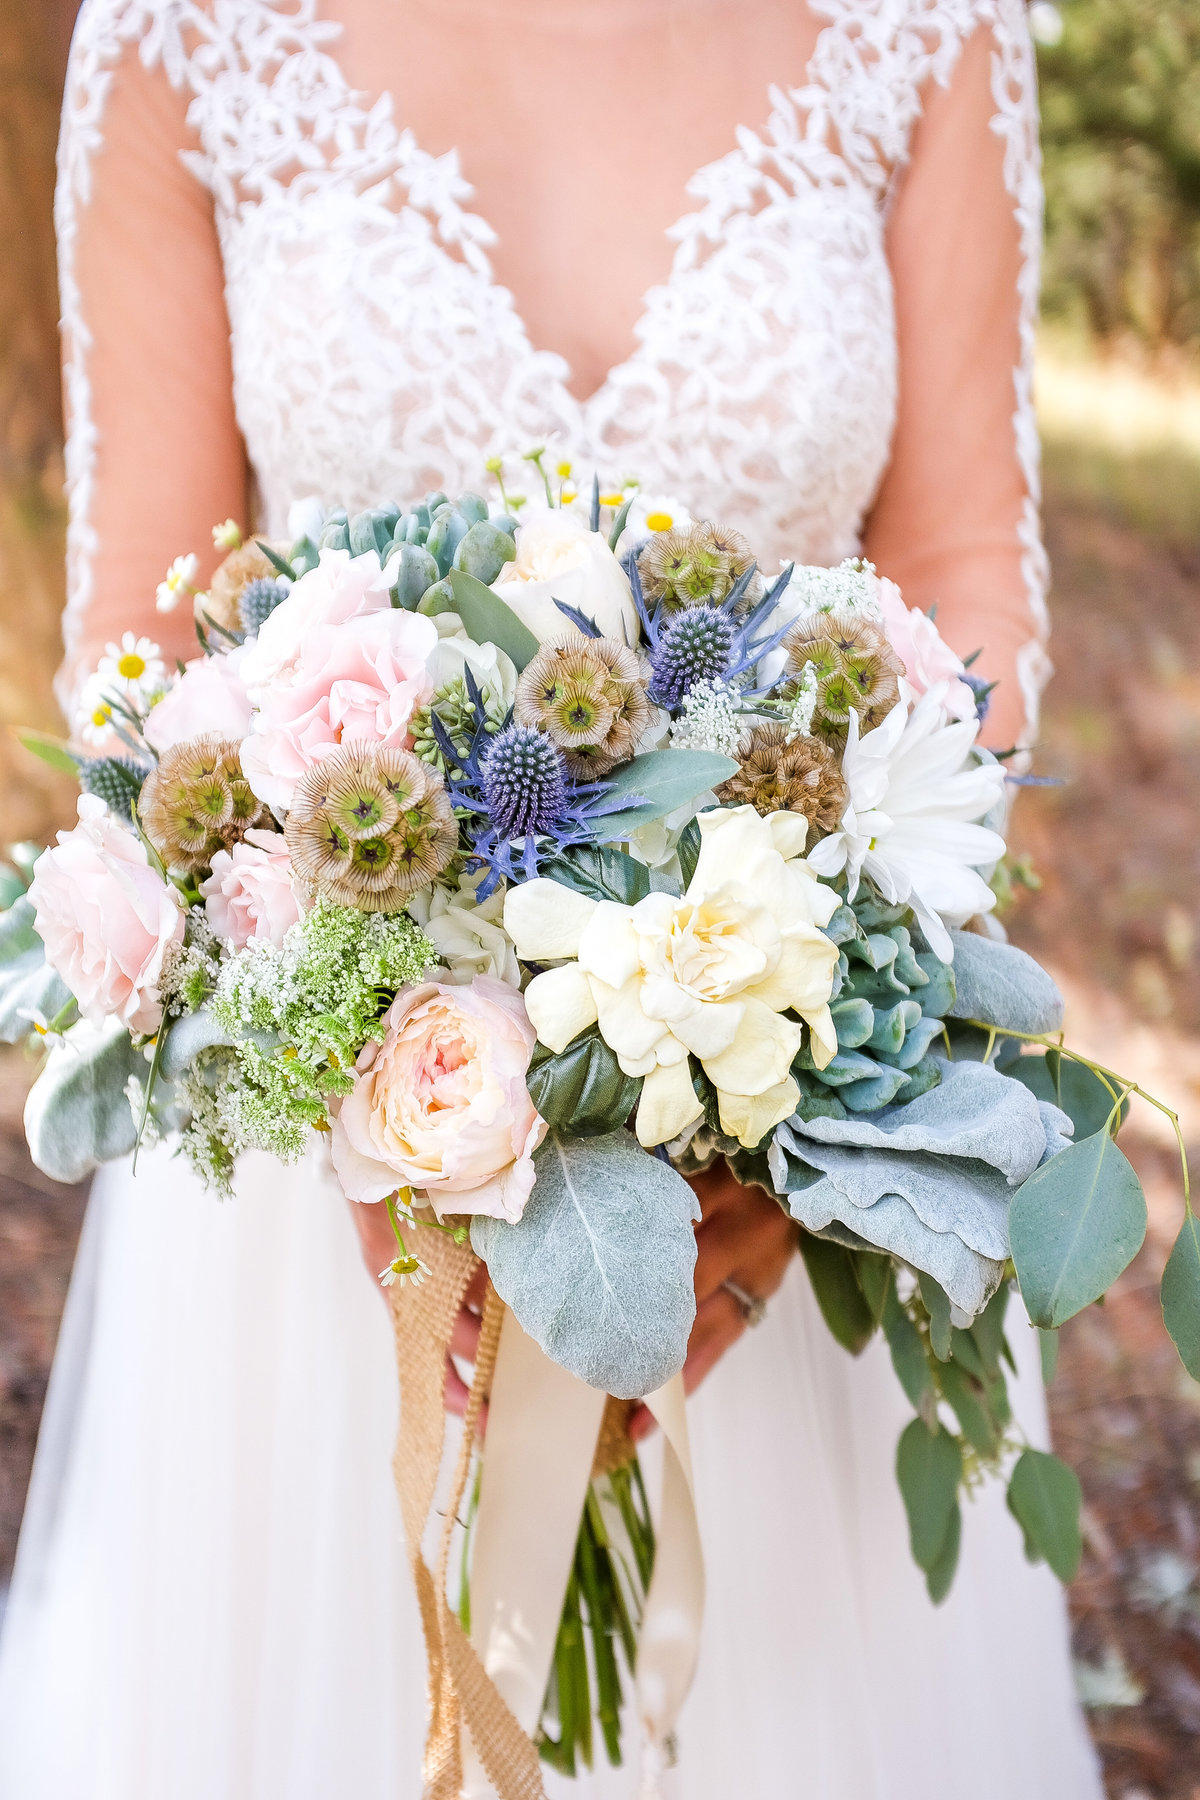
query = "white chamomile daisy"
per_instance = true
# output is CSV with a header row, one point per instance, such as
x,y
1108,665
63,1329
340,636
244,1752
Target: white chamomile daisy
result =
x,y
180,580
134,671
403,1271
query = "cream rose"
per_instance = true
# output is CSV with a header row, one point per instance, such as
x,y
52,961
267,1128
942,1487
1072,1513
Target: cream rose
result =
x,y
442,1106
106,918
558,558
710,975
249,893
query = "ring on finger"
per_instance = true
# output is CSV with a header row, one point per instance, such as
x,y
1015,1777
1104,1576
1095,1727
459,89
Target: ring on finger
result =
x,y
752,1307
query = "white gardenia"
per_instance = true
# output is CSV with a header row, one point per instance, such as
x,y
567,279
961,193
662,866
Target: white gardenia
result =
x,y
559,558
912,821
712,974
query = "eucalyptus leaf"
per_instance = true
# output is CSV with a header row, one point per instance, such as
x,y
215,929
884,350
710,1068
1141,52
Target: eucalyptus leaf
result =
x,y
928,1468
875,1279
1074,1225
937,1305
1086,1100
658,782
908,1352
968,1398
489,620
77,1115
1181,1294
1000,985
839,1296
939,1578
599,1268
1044,1497
583,1089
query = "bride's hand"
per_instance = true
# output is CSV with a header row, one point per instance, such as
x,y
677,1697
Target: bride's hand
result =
x,y
378,1245
744,1237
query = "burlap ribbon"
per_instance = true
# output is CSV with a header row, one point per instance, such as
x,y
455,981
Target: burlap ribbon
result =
x,y
546,1433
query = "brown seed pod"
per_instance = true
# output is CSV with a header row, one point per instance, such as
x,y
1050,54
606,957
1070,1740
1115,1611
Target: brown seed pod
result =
x,y
369,826
197,801
780,775
693,565
589,697
856,671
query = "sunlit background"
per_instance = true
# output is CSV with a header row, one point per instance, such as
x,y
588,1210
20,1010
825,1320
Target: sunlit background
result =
x,y
1115,850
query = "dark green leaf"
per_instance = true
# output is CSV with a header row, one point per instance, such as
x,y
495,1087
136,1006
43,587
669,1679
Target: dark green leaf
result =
x,y
969,1401
1075,1224
662,780
965,1352
938,1579
1181,1295
489,621
1081,1094
582,1090
843,1306
1048,1345
988,1330
928,1468
908,1353
276,561
600,871
688,851
1044,1497
875,1279
937,1305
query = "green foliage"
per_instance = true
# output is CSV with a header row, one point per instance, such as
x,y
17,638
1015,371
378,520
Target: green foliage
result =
x,y
832,1269
1044,1497
1082,1095
1075,1224
490,621
656,783
600,871
1121,130
929,1467
582,1090
1181,1294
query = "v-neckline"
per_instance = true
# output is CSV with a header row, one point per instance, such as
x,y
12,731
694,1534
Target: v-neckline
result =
x,y
385,98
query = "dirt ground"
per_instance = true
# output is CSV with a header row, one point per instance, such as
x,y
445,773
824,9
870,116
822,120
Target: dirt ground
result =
x,y
1118,850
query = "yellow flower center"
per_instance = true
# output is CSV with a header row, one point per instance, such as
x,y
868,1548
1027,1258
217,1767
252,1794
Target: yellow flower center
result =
x,y
612,499
659,521
101,716
132,666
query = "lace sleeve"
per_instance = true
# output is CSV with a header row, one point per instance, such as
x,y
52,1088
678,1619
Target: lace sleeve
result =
x,y
154,457
956,519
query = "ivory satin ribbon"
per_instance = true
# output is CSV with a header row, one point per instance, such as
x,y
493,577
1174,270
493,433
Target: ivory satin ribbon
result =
x,y
543,1424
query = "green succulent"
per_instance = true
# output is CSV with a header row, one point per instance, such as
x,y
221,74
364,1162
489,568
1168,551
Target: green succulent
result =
x,y
431,538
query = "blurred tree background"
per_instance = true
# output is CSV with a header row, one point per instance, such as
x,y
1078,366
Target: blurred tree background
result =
x,y
1116,847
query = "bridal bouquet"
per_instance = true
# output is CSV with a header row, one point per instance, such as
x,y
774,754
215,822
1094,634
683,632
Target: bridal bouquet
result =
x,y
533,867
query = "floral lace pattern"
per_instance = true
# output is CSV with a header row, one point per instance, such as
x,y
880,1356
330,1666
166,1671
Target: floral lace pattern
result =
x,y
375,356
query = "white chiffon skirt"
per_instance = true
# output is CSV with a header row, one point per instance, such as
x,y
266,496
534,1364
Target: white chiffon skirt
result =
x,y
211,1600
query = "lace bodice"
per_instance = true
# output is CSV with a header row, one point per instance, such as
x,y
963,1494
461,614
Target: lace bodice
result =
x,y
375,355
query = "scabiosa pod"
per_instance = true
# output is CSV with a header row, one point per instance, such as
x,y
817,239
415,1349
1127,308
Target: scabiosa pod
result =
x,y
780,773
853,667
369,825
694,565
197,801
589,698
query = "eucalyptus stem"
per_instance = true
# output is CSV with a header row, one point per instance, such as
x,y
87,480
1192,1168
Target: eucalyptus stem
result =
x,y
1104,1074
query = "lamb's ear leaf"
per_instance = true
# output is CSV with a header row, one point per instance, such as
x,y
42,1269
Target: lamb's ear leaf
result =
x,y
489,621
598,1270
1075,1224
78,1115
27,982
997,984
1044,1497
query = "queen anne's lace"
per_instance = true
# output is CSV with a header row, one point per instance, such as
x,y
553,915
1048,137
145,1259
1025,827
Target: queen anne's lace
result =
x,y
375,356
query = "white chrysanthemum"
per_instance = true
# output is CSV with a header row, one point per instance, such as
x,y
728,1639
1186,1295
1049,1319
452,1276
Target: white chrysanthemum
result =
x,y
180,580
912,821
710,719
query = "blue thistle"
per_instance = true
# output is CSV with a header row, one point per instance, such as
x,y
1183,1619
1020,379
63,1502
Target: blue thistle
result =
x,y
695,645
259,599
524,782
117,780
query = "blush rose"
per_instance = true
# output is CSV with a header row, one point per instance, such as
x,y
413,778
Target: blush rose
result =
x,y
249,893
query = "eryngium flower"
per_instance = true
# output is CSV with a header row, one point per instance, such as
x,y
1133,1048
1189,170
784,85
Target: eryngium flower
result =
x,y
695,646
524,781
779,774
369,825
258,601
223,601
589,697
856,670
696,564
197,801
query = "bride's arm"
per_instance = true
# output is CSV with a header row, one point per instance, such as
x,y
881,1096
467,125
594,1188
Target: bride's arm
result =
x,y
956,521
154,456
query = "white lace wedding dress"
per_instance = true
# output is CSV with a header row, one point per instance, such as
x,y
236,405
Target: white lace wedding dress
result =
x,y
211,1601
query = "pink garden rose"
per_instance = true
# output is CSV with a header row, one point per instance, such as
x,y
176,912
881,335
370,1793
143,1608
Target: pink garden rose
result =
x,y
442,1106
249,893
927,657
209,696
106,918
362,679
340,588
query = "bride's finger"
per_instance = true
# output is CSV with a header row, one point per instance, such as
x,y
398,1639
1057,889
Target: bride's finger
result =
x,y
457,1392
464,1337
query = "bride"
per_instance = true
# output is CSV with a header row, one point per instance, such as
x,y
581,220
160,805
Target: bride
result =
x,y
777,261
